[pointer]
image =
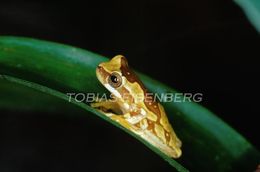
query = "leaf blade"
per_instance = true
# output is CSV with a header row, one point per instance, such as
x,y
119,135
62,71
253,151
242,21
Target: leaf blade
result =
x,y
64,69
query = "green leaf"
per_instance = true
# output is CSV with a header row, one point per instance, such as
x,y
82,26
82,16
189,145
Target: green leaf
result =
x,y
209,144
252,11
19,98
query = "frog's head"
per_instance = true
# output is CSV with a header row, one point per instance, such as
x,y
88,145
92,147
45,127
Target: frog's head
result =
x,y
115,74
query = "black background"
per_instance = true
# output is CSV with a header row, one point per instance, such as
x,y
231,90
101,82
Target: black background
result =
x,y
194,46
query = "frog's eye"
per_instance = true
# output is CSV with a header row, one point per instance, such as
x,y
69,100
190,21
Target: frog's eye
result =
x,y
115,80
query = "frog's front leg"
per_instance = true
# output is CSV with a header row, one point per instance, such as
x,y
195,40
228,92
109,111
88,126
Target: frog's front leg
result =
x,y
112,110
106,106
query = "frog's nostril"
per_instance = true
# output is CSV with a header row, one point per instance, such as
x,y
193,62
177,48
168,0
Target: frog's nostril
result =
x,y
99,67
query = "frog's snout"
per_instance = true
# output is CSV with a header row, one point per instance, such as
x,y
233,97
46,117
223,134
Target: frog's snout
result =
x,y
98,69
101,73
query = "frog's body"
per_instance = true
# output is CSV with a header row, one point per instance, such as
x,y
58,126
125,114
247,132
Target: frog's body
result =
x,y
134,108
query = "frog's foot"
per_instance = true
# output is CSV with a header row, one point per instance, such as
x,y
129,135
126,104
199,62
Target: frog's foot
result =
x,y
178,142
122,121
106,106
102,106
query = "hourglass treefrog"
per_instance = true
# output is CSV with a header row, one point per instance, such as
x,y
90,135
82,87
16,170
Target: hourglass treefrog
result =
x,y
133,108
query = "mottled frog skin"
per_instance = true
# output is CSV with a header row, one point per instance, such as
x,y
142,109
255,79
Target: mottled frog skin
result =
x,y
135,109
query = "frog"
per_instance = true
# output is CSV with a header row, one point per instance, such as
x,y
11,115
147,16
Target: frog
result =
x,y
133,107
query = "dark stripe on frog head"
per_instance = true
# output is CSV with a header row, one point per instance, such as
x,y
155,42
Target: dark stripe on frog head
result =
x,y
128,73
132,77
